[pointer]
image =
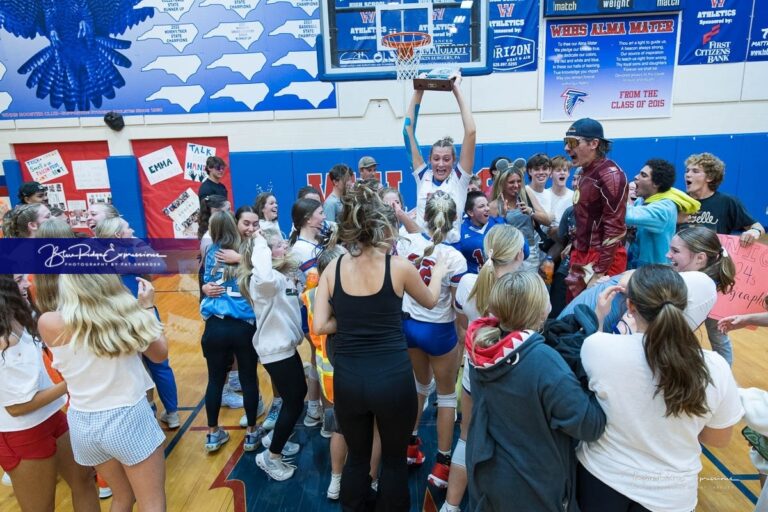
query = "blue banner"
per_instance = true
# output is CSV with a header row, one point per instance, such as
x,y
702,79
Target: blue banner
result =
x,y
596,7
87,57
609,68
758,40
515,26
714,31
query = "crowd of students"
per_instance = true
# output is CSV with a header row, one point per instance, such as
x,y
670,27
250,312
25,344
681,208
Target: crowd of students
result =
x,y
398,305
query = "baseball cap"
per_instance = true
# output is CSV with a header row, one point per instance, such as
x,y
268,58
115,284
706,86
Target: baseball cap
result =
x,y
366,161
587,128
30,188
702,295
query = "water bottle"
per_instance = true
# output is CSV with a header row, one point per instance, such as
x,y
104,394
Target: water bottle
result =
x,y
547,270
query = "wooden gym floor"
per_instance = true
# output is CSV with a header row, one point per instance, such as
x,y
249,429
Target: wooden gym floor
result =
x,y
230,481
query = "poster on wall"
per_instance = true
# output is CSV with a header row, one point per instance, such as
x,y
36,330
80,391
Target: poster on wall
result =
x,y
758,39
56,196
515,26
171,204
47,167
609,68
554,8
194,164
715,31
159,57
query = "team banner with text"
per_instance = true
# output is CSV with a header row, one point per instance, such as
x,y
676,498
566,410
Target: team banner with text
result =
x,y
715,31
515,26
599,7
609,68
758,41
159,57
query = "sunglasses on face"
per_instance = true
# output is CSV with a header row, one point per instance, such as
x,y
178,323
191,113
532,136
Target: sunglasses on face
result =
x,y
572,142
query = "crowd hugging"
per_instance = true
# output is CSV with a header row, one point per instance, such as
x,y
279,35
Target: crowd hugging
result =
x,y
558,326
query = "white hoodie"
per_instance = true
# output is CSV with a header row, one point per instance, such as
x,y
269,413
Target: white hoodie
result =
x,y
276,304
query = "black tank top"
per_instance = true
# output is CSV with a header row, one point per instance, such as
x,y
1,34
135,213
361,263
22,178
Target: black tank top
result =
x,y
370,324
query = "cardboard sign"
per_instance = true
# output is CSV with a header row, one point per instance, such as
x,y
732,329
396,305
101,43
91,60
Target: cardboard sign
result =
x,y
160,165
748,294
47,167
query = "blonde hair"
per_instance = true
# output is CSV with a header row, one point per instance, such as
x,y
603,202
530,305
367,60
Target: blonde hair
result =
x,y
16,222
47,285
102,316
366,220
110,227
445,142
439,214
501,182
713,167
286,265
55,228
502,245
519,300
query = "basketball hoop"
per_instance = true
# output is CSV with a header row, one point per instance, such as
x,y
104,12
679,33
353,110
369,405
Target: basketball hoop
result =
x,y
407,48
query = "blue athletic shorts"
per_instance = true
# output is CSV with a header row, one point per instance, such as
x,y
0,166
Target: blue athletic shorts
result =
x,y
434,339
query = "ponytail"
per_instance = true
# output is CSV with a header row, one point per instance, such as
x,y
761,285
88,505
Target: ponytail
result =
x,y
502,245
671,348
439,215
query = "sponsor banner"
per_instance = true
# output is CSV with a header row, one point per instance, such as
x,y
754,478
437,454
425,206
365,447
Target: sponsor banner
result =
x,y
515,26
609,68
590,7
758,40
97,255
715,31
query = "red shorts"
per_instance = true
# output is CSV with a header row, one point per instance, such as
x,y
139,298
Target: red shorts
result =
x,y
33,443
575,280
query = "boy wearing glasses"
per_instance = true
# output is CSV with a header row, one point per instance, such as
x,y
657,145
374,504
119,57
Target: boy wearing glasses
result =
x,y
212,185
600,204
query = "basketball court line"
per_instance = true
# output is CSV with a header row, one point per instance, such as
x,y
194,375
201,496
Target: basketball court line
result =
x,y
734,479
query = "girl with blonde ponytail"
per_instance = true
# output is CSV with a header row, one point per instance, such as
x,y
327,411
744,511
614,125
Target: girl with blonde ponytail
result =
x,y
431,334
505,248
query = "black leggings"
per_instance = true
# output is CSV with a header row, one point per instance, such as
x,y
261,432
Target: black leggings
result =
x,y
595,496
380,388
223,338
288,378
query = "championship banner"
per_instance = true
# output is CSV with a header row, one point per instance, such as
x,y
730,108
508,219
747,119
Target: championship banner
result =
x,y
758,40
515,26
140,57
715,31
609,68
751,286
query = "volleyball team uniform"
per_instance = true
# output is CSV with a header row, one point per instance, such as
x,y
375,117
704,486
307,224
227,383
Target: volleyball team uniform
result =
x,y
432,330
455,186
468,308
32,435
471,243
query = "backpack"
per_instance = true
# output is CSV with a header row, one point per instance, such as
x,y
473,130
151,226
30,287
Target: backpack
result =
x,y
567,334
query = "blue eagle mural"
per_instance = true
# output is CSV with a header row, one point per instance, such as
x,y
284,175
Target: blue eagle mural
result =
x,y
79,67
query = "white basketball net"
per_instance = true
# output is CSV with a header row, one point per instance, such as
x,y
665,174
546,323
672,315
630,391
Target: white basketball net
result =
x,y
406,49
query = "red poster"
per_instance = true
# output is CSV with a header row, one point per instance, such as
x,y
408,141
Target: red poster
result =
x,y
74,173
168,170
751,279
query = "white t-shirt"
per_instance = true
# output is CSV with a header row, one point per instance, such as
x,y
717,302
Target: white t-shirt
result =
x,y
559,204
272,225
652,459
305,252
544,197
412,246
455,185
22,375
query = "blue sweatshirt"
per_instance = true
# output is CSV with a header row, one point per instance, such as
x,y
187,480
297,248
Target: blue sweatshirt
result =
x,y
230,303
655,223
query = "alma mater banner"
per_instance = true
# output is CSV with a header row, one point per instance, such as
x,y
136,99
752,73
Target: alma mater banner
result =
x,y
609,68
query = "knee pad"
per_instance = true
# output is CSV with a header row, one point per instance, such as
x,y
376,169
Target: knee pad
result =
x,y
422,389
450,401
459,456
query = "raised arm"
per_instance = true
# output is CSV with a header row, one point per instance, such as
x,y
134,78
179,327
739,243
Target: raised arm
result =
x,y
467,156
539,214
409,131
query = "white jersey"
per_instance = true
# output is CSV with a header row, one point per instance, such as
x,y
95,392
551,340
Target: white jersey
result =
x,y
412,247
455,185
462,303
649,457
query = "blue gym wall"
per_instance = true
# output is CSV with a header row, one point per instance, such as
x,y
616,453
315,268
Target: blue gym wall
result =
x,y
284,172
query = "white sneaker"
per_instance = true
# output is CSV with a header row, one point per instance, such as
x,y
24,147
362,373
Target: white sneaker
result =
x,y
289,450
277,469
7,480
334,488
233,381
104,493
274,412
171,419
449,508
375,485
231,399
259,412
314,416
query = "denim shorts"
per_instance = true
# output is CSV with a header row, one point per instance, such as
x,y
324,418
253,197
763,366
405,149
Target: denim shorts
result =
x,y
127,434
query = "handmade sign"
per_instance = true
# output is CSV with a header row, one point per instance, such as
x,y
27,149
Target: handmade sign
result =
x,y
748,294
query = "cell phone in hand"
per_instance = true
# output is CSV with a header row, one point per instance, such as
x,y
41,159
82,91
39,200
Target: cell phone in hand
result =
x,y
757,440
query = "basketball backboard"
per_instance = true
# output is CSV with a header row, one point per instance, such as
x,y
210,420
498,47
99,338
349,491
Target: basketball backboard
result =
x,y
350,42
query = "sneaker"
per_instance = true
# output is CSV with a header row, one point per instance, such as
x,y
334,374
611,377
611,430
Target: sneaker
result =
x,y
7,480
250,441
104,493
277,469
289,450
233,381
231,399
415,455
314,416
171,419
334,488
216,440
375,485
439,474
449,508
274,412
